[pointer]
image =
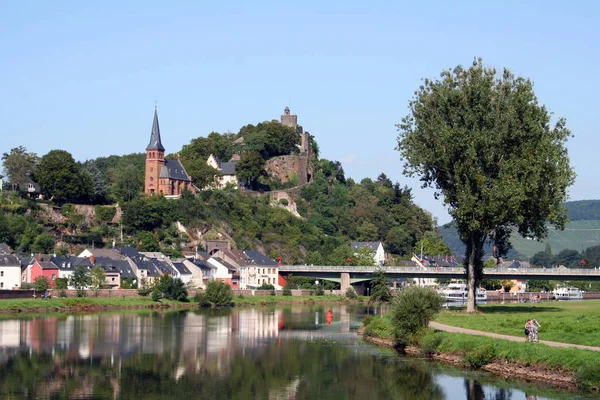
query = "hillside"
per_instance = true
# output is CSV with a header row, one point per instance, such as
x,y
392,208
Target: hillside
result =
x,y
582,230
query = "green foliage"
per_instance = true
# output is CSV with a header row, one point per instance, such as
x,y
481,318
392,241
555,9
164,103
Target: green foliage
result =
x,y
380,290
170,289
270,139
351,294
202,299
61,178
97,278
412,310
287,291
156,295
460,139
429,344
266,286
480,356
147,241
378,327
43,243
19,165
80,279
250,168
104,213
587,377
41,283
144,288
219,293
320,291
61,283
283,202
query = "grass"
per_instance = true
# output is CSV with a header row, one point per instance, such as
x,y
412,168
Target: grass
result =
x,y
25,305
569,322
283,300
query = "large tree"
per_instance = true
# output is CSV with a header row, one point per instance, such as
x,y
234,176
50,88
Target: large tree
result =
x,y
59,176
18,165
483,141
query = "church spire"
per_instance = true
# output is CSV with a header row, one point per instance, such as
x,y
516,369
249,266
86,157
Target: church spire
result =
x,y
155,143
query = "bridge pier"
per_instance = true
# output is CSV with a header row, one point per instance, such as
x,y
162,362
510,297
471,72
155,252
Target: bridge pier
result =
x,y
344,281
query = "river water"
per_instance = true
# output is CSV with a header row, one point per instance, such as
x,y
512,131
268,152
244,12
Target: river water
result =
x,y
300,352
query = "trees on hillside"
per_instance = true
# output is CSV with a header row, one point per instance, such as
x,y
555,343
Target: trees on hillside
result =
x,y
60,177
19,165
486,145
250,168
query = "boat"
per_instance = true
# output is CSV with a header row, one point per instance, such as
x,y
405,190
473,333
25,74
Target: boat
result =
x,y
459,292
567,293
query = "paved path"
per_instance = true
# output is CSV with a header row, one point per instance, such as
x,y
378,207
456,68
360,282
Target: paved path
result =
x,y
455,329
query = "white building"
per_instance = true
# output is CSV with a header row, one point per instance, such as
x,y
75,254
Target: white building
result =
x,y
375,247
10,272
226,170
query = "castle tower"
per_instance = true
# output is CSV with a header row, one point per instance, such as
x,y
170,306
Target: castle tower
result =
x,y
288,119
291,120
155,158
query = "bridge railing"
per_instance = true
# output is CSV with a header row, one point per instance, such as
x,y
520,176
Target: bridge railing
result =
x,y
442,270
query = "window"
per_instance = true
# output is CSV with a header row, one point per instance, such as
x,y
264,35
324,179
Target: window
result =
x,y
1,273
113,279
1,284
22,278
53,276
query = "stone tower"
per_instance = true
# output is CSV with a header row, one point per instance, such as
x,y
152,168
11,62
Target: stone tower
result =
x,y
155,158
291,120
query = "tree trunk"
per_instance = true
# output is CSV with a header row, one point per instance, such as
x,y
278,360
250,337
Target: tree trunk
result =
x,y
474,250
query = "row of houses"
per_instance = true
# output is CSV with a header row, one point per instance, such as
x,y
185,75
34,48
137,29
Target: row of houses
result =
x,y
241,269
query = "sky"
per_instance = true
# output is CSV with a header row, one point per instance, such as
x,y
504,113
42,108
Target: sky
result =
x,y
84,76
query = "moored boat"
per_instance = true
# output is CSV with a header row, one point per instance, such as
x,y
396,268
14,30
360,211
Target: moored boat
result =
x,y
459,292
567,293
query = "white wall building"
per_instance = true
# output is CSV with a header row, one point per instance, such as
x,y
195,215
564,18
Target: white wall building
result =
x,y
10,272
376,249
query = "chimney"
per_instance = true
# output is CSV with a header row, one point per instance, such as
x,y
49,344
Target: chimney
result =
x,y
93,259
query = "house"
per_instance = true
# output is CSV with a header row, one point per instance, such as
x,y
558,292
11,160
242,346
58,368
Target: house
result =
x,y
27,264
183,272
375,247
225,272
30,187
44,268
108,253
5,249
67,265
226,170
201,270
10,272
115,270
254,267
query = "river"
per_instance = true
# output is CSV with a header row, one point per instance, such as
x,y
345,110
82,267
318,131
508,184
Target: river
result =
x,y
297,352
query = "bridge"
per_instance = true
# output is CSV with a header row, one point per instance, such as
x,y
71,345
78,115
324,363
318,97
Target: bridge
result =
x,y
349,275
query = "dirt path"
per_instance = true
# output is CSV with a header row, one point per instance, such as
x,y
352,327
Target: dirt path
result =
x,y
455,329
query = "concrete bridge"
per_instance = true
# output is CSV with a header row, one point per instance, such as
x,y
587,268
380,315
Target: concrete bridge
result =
x,y
350,275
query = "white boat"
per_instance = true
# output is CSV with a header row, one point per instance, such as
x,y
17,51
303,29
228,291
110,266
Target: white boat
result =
x,y
567,293
459,292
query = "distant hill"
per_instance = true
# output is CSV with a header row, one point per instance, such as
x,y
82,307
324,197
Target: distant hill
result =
x,y
583,230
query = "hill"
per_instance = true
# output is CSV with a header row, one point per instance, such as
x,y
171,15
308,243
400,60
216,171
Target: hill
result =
x,y
583,230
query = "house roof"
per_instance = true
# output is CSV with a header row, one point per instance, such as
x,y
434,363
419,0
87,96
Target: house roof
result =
x,y
47,265
163,267
202,264
203,255
225,264
110,253
8,260
174,170
359,245
228,168
154,254
29,186
442,261
122,266
67,263
145,264
155,142
128,251
258,258
181,268
5,249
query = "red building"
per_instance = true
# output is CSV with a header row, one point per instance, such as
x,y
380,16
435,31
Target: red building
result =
x,y
44,268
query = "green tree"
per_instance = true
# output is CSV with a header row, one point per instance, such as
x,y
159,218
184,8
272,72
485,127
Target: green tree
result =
x,y
412,310
380,288
487,146
61,283
43,243
219,293
147,241
19,165
60,177
364,257
41,283
97,278
542,259
250,168
80,280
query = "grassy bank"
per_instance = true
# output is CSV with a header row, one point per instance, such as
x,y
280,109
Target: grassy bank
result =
x,y
569,322
574,322
286,300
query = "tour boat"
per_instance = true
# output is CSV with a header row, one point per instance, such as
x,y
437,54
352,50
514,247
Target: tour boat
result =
x,y
459,292
567,293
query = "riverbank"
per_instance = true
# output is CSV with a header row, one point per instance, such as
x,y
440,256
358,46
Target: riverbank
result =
x,y
564,367
90,304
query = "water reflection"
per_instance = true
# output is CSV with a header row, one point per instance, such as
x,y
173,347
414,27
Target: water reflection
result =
x,y
254,353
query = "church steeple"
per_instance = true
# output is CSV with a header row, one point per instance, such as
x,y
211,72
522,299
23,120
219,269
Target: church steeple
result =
x,y
155,143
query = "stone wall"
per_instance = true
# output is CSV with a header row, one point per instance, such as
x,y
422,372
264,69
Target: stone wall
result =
x,y
285,166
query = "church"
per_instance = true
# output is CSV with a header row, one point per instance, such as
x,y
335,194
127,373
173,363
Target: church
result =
x,y
163,177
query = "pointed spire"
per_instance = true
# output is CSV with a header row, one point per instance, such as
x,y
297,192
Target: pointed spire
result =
x,y
155,143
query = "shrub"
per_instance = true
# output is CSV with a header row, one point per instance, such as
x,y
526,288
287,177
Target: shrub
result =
x,y
61,283
62,293
430,343
480,356
170,288
351,294
156,295
81,293
219,293
380,291
320,291
273,292
144,288
412,309
287,291
283,202
377,327
201,299
41,283
587,377
266,286
104,213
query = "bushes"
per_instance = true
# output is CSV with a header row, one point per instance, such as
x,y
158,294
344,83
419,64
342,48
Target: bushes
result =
x,y
411,311
480,356
170,289
287,291
430,343
104,213
351,294
587,377
219,293
378,327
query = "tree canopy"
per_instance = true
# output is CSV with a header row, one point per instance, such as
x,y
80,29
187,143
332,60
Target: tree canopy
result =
x,y
483,141
59,176
19,165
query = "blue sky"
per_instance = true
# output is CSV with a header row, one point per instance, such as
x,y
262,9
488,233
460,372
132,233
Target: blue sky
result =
x,y
84,76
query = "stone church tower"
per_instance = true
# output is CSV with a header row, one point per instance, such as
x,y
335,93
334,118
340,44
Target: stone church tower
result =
x,y
163,177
